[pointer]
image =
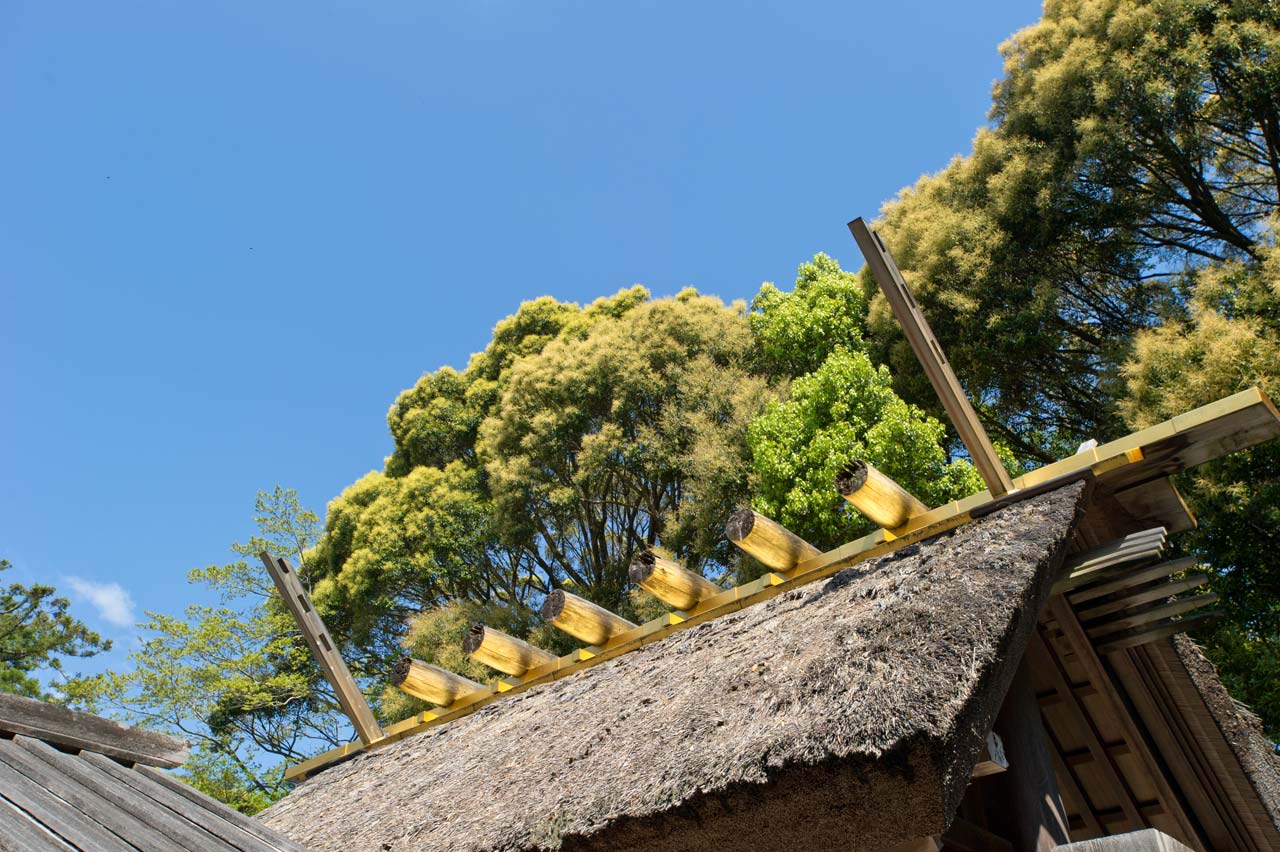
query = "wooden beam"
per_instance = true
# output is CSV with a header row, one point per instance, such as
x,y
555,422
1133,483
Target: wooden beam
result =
x,y
431,683
72,729
768,542
1031,815
323,649
877,496
507,654
582,619
1047,663
1163,630
1131,579
1100,555
929,352
1157,613
1079,642
669,581
1158,592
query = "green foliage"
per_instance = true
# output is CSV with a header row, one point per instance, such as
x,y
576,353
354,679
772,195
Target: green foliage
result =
x,y
796,331
578,435
626,436
235,679
36,633
846,410
1228,341
1128,138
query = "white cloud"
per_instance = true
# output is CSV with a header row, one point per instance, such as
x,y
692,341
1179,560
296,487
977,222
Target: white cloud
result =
x,y
110,599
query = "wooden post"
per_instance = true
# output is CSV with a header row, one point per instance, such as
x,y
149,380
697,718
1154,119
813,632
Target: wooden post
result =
x,y
772,544
929,352
582,619
669,581
322,648
507,654
430,683
1031,813
875,495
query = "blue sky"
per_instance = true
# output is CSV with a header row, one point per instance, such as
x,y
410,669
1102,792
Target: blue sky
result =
x,y
230,234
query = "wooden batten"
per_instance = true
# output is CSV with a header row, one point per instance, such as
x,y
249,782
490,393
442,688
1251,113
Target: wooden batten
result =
x,y
1149,616
875,495
1159,592
1161,630
582,619
431,683
75,730
767,541
669,581
507,654
1132,579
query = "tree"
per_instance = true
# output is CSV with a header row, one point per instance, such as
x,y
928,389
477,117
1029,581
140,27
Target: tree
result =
x,y
235,679
36,633
841,407
1228,340
578,435
846,410
1128,140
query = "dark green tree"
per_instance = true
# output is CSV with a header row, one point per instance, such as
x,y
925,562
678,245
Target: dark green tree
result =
x,y
36,634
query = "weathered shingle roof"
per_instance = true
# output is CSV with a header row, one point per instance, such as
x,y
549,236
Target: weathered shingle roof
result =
x,y
60,790
844,714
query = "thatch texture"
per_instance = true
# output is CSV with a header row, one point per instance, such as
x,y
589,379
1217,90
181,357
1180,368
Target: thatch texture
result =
x,y
847,714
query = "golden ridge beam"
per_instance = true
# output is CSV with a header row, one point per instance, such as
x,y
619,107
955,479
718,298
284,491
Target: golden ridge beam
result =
x,y
1190,439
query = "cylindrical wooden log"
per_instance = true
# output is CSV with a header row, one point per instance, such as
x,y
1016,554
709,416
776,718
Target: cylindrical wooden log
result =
x,y
669,581
875,495
505,653
430,683
772,544
582,619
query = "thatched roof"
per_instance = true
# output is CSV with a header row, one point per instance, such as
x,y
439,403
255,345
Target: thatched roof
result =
x,y
851,710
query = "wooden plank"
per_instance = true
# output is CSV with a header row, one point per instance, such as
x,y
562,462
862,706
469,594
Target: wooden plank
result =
x,y
115,806
231,815
18,833
1154,537
1163,630
1159,592
1031,814
1074,635
1158,502
1164,717
323,648
56,815
1130,579
73,729
929,353
1147,840
1147,616
211,822
1047,663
